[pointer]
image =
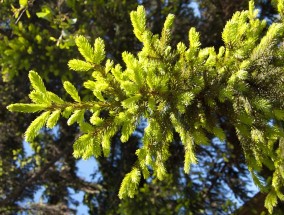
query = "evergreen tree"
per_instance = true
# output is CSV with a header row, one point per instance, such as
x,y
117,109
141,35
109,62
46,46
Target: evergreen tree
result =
x,y
193,91
221,163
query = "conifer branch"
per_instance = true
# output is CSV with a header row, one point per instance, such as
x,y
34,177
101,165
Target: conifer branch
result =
x,y
183,90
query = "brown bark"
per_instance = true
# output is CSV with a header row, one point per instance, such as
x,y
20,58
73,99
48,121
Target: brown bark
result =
x,y
253,206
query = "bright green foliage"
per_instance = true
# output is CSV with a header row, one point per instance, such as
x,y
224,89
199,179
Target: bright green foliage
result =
x,y
86,146
36,125
77,116
27,108
99,51
85,49
191,91
92,55
271,201
280,7
37,82
130,183
53,118
79,65
71,90
138,20
23,3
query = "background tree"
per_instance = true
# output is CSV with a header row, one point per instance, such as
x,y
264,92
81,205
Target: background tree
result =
x,y
45,42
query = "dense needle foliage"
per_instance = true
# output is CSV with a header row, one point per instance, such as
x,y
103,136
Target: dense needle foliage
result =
x,y
193,91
